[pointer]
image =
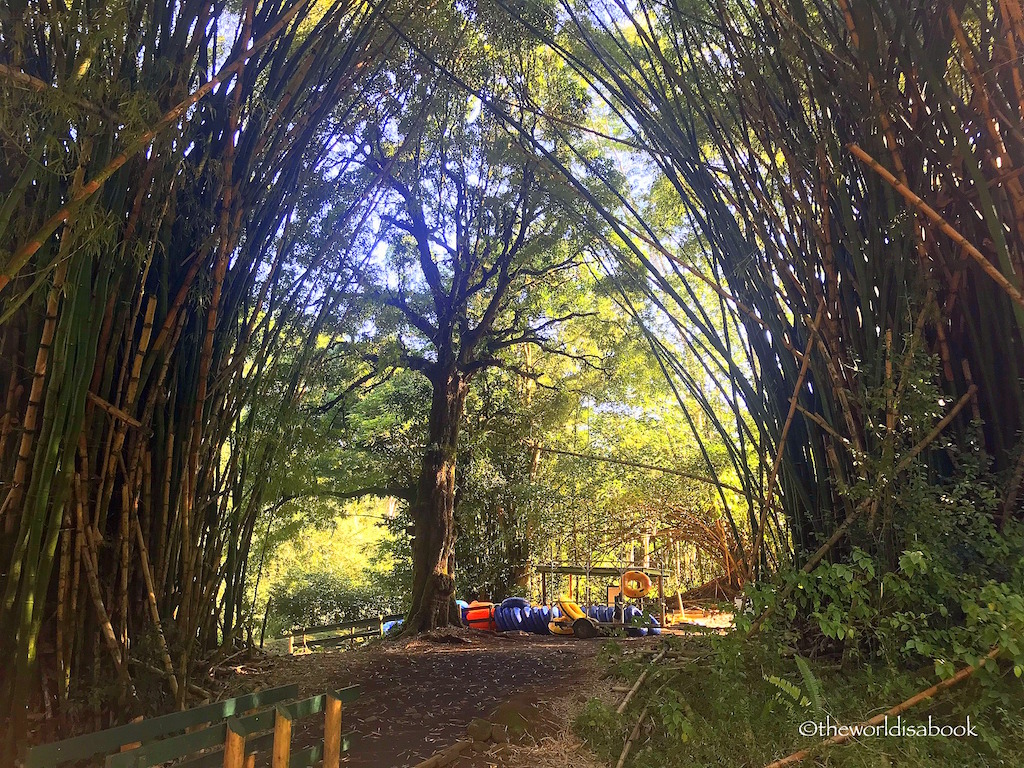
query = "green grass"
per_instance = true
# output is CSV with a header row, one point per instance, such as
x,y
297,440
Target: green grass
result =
x,y
743,706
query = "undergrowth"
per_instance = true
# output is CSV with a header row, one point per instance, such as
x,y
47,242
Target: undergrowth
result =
x,y
741,704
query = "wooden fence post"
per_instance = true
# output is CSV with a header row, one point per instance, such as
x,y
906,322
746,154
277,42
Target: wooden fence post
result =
x,y
234,747
282,739
380,619
332,732
661,597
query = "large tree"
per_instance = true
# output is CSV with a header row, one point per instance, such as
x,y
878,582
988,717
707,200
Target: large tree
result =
x,y
479,252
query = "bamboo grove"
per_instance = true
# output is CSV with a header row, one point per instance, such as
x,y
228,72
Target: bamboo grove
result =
x,y
839,299
161,264
851,174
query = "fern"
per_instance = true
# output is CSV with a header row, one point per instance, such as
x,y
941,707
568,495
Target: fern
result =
x,y
789,693
811,685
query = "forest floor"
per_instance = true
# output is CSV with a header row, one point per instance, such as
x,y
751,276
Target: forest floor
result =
x,y
419,696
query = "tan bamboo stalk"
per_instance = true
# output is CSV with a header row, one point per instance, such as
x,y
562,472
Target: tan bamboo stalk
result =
x,y
102,345
35,404
185,550
932,215
781,447
146,515
969,378
639,681
63,625
821,423
632,737
96,593
124,566
925,695
113,410
226,241
36,240
163,552
1013,186
154,611
1006,8
116,441
831,288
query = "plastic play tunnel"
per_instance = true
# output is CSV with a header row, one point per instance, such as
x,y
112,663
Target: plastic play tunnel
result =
x,y
516,613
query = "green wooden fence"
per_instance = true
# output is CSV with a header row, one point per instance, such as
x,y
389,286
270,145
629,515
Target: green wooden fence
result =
x,y
222,734
331,635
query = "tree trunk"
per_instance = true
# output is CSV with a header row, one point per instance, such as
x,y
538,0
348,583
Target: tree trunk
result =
x,y
433,584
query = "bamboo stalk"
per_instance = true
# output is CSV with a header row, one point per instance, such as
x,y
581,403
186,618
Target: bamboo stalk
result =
x,y
113,410
933,216
35,241
781,446
63,623
632,737
92,579
639,681
154,611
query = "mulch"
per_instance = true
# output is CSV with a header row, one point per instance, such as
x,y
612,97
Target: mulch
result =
x,y
418,695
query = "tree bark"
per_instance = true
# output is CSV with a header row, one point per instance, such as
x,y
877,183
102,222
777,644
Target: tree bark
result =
x,y
433,512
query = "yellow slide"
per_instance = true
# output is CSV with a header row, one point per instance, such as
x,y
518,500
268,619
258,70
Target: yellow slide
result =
x,y
570,609
563,624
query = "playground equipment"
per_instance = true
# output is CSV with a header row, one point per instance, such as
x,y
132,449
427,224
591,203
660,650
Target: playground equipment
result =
x,y
630,580
573,622
565,618
635,584
479,615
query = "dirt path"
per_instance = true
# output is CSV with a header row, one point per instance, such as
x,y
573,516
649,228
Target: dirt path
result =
x,y
419,696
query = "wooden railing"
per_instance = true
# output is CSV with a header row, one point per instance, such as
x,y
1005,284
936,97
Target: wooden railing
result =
x,y
229,733
330,635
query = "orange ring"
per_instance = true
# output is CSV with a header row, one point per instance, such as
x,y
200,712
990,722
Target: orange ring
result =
x,y
642,579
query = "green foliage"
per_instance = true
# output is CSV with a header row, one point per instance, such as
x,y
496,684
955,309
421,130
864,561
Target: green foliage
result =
x,y
811,685
602,729
319,597
789,694
609,652
333,569
745,704
675,715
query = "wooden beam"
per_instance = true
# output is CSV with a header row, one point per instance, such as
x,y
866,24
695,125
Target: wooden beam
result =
x,y
234,747
332,732
282,740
